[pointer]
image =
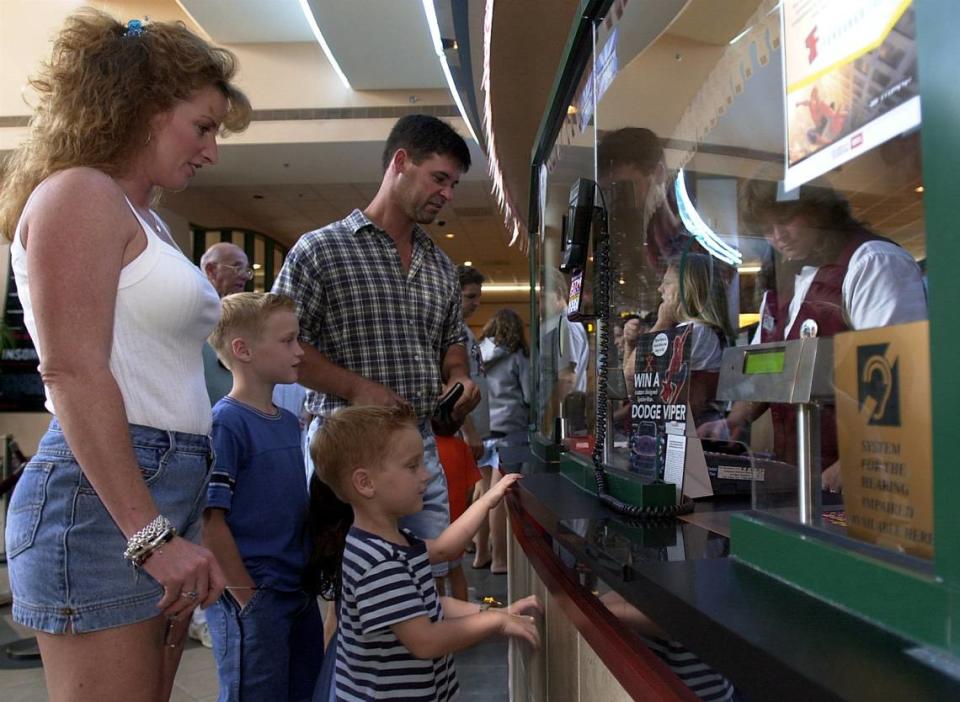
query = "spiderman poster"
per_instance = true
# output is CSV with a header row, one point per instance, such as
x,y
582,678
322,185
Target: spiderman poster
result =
x,y
659,405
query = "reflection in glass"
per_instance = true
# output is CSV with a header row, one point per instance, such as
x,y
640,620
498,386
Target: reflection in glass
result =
x,y
691,149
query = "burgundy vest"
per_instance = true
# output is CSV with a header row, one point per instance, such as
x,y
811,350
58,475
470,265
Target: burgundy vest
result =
x,y
823,303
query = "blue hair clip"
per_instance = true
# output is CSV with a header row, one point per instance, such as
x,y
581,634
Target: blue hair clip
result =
x,y
134,28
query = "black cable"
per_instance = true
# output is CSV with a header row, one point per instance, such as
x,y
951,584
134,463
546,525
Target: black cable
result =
x,y
602,298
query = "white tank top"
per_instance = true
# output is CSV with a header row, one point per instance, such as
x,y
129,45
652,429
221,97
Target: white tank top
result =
x,y
165,310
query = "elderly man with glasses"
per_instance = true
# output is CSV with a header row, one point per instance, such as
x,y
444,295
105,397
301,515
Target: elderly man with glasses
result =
x,y
226,267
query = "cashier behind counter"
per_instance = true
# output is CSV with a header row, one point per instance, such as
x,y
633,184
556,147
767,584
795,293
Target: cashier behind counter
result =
x,y
828,274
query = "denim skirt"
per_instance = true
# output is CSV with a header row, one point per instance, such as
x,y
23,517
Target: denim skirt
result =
x,y
65,552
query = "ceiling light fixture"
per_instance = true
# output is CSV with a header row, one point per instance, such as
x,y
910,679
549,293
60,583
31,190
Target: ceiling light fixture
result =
x,y
698,228
434,27
918,189
468,263
315,28
505,288
449,236
741,35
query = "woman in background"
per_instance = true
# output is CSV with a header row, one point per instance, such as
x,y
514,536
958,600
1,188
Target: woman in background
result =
x,y
102,528
507,366
693,292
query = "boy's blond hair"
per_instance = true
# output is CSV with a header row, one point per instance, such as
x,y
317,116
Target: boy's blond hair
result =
x,y
356,437
244,314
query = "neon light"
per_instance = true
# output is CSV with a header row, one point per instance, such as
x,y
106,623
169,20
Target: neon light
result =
x,y
315,28
434,26
701,232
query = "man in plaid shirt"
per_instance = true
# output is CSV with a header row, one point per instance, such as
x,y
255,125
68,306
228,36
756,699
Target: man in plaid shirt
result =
x,y
379,302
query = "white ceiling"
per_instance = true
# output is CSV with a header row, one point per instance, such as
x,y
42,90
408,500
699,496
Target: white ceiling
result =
x,y
286,189
250,21
380,44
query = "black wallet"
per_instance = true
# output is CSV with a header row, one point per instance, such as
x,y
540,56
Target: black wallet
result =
x,y
442,419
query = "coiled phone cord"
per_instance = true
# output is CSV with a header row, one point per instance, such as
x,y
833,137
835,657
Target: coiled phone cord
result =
x,y
602,297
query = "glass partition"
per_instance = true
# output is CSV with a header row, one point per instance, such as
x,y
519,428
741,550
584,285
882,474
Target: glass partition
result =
x,y
761,219
566,386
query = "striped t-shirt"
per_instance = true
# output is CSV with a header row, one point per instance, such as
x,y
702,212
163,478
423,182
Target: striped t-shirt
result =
x,y
384,584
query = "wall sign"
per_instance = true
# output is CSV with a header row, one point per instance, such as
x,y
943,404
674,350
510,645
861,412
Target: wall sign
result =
x,y
850,70
883,413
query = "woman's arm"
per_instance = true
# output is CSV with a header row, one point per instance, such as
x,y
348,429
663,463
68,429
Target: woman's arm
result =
x,y
80,234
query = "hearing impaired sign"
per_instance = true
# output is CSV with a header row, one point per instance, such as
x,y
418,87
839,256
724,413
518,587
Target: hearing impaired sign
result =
x,y
883,418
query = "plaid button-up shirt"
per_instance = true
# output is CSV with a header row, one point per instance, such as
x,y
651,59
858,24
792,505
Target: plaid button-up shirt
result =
x,y
360,309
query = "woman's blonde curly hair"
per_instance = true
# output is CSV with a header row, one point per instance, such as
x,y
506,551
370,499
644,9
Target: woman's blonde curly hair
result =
x,y
98,93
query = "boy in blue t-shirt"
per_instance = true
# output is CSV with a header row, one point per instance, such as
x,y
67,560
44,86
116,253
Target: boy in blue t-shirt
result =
x,y
267,633
395,635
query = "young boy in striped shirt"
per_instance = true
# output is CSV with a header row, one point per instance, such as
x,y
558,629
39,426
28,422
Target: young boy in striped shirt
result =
x,y
395,635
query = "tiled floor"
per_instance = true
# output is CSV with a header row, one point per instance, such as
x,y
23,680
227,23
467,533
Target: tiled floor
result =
x,y
482,670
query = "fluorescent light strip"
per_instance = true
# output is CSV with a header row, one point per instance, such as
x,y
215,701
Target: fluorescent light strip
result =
x,y
701,232
315,28
741,35
434,26
505,288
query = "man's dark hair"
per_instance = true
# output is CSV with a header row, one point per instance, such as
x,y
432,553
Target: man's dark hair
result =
x,y
636,146
469,276
422,136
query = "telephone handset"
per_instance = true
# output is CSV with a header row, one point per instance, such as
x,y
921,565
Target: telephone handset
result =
x,y
577,226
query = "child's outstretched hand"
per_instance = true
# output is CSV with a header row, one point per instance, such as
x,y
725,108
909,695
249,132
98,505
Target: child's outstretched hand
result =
x,y
496,493
520,626
528,605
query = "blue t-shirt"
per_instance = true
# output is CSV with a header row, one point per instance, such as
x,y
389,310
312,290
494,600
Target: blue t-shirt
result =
x,y
385,584
258,479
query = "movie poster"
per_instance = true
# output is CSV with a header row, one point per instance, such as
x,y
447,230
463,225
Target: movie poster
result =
x,y
658,409
850,70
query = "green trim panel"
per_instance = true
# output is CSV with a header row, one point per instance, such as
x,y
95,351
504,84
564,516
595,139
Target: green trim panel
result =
x,y
909,603
938,26
580,472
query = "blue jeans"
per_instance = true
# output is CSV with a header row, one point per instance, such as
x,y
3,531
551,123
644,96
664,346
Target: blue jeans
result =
x,y
67,569
272,649
431,521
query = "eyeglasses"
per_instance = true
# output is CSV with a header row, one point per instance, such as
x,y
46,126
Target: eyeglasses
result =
x,y
238,269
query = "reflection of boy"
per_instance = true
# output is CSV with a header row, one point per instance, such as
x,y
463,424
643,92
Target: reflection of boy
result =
x,y
267,633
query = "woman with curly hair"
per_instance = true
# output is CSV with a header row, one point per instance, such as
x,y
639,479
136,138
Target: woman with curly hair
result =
x,y
506,364
102,528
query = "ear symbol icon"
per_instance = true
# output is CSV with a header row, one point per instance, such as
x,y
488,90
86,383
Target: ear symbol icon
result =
x,y
878,364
